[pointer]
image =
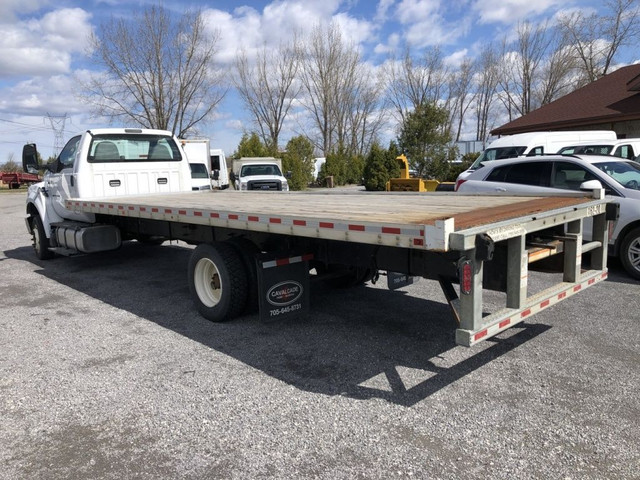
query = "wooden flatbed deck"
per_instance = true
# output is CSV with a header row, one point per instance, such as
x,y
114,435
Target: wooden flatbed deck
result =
x,y
357,213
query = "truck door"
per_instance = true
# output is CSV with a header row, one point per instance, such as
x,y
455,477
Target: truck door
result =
x,y
63,184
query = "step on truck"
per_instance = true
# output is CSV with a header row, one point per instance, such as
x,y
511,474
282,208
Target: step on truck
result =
x,y
258,248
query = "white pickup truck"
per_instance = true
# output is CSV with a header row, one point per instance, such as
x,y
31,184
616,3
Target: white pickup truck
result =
x,y
259,173
111,185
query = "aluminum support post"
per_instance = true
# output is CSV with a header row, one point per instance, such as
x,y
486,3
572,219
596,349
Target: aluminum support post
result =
x,y
517,272
573,251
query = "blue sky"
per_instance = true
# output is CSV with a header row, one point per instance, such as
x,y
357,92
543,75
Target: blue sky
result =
x,y
43,45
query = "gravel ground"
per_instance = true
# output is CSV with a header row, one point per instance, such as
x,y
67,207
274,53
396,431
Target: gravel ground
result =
x,y
108,372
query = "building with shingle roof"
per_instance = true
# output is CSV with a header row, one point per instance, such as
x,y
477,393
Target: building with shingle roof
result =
x,y
610,103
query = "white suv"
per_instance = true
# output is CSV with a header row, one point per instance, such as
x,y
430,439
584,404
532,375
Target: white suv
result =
x,y
551,174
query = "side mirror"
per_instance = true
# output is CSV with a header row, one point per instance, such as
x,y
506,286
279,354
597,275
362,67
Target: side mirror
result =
x,y
288,174
30,158
591,185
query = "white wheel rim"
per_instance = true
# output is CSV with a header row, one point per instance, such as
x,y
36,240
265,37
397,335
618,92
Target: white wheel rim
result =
x,y
207,282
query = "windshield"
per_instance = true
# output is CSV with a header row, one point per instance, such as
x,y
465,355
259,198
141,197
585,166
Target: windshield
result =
x,y
133,148
593,149
251,170
625,173
198,170
497,153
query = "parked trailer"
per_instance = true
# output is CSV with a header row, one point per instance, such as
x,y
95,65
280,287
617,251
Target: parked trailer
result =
x,y
111,185
448,237
17,179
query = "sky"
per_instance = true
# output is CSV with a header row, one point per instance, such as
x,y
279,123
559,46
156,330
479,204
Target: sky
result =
x,y
44,47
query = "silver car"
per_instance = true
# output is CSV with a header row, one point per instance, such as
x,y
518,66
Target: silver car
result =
x,y
551,174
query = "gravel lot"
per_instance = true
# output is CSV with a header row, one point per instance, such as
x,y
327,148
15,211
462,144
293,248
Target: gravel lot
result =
x,y
108,372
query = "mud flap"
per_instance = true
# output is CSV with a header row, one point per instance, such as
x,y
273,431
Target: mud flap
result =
x,y
283,284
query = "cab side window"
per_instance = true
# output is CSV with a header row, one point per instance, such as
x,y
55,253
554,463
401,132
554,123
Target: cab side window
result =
x,y
68,154
527,173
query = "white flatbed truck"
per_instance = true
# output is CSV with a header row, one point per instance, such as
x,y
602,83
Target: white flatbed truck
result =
x,y
475,242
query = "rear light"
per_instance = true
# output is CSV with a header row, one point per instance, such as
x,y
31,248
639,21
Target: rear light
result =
x,y
458,183
466,277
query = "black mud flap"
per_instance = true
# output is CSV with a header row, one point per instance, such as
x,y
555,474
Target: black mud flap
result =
x,y
283,284
399,280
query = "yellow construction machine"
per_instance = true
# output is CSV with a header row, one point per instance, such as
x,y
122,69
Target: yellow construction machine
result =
x,y
408,184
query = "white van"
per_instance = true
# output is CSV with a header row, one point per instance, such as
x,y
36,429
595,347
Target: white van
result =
x,y
628,148
536,143
219,169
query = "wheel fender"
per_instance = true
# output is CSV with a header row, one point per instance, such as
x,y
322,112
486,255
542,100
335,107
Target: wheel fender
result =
x,y
39,204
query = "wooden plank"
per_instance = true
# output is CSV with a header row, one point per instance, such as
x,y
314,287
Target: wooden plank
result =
x,y
387,208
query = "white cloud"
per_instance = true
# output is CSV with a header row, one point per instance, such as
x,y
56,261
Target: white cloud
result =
x,y
511,11
43,46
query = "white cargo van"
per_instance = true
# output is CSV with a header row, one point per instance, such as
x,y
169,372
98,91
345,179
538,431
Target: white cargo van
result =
x,y
628,148
219,169
536,143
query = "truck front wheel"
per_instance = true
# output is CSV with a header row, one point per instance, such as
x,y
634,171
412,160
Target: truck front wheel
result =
x,y
630,253
217,281
40,240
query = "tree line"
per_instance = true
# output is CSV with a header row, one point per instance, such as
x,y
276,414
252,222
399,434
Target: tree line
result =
x,y
159,70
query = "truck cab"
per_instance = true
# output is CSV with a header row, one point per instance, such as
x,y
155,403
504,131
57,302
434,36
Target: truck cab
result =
x,y
259,173
100,163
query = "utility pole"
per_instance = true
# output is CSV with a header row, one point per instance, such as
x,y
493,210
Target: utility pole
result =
x,y
57,124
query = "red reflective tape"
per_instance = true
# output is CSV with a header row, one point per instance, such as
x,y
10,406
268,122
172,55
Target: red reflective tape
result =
x,y
131,207
84,204
233,216
93,205
182,212
391,231
307,257
282,261
111,207
504,323
120,207
167,210
605,275
154,210
325,225
197,214
357,228
577,288
300,223
102,205
252,218
545,303
418,241
275,220
479,335
525,313
143,209
591,281
561,295
214,215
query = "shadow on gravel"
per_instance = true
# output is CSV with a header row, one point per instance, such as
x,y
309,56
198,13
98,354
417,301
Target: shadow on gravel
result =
x,y
361,343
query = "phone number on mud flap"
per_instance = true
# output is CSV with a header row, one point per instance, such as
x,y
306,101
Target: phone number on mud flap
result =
x,y
287,309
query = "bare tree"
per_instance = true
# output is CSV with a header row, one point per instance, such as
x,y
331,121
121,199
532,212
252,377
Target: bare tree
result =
x,y
520,67
413,82
157,70
597,39
486,85
366,117
331,78
269,88
461,95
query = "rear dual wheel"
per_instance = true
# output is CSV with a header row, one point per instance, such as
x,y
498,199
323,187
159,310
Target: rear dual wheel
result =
x,y
218,281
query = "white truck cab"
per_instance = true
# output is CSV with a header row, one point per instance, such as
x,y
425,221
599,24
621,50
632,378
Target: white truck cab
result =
x,y
99,163
259,173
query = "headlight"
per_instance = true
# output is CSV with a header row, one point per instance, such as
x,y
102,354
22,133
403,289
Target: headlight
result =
x,y
285,187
